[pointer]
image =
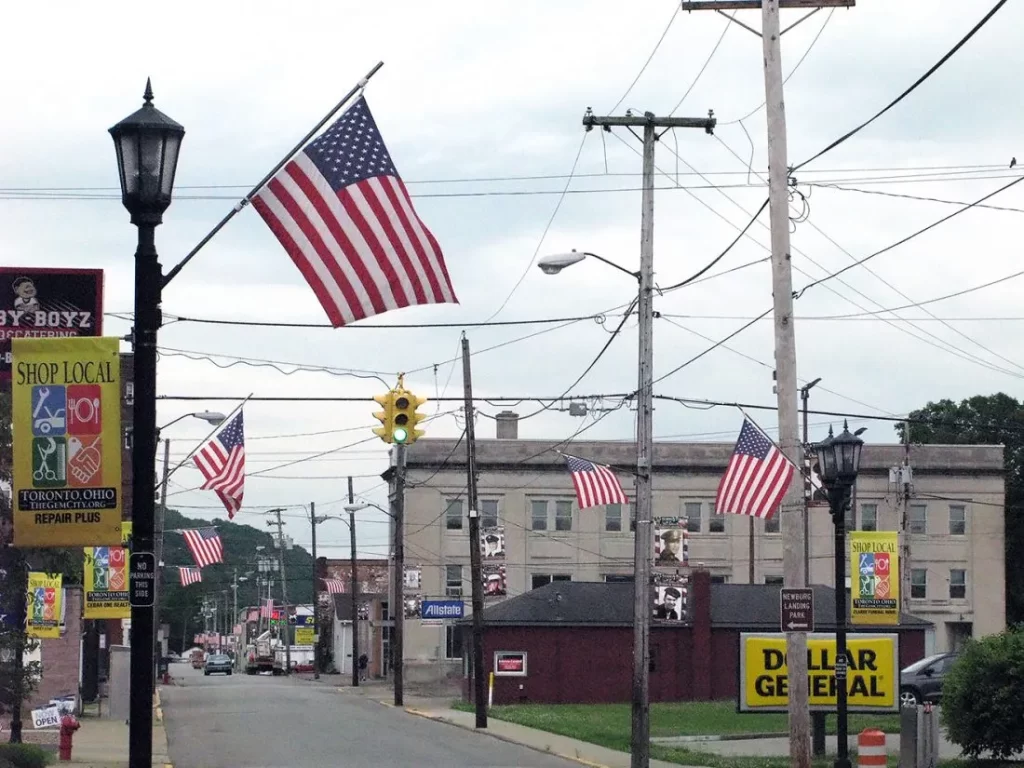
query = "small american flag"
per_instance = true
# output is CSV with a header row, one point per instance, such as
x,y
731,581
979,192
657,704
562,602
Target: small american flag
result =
x,y
205,545
595,484
190,576
221,459
267,609
334,586
757,477
344,216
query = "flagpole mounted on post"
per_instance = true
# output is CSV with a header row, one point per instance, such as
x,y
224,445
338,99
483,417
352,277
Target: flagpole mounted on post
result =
x,y
245,200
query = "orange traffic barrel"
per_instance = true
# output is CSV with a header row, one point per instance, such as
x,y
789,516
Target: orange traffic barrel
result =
x,y
871,748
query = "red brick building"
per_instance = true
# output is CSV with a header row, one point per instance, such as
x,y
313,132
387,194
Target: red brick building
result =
x,y
578,637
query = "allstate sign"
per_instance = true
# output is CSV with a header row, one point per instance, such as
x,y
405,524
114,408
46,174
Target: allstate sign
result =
x,y
439,610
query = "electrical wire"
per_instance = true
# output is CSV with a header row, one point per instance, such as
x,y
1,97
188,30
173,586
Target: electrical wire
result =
x,y
700,73
382,326
657,45
849,134
921,198
714,346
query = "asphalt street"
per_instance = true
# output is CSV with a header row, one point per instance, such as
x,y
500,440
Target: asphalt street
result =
x,y
246,721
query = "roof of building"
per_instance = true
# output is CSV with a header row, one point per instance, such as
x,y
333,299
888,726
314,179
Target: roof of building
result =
x,y
712,457
733,606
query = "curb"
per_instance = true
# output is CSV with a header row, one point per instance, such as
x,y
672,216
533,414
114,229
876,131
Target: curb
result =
x,y
696,739
442,719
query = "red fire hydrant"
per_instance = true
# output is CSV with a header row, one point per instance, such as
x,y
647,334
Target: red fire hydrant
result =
x,y
68,725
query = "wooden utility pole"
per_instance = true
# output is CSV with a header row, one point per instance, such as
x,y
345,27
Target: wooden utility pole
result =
x,y
475,570
793,521
354,580
284,588
398,511
316,596
640,746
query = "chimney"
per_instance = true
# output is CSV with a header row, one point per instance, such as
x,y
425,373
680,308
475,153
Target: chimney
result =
x,y
508,425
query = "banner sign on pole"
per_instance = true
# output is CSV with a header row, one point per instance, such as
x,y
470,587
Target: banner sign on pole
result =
x,y
875,588
106,580
44,604
67,442
46,304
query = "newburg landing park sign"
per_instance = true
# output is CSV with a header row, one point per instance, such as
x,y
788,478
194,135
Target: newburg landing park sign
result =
x,y
872,672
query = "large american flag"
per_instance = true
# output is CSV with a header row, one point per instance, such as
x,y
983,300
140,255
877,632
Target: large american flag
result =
x,y
221,459
757,477
344,216
205,545
190,576
595,484
334,586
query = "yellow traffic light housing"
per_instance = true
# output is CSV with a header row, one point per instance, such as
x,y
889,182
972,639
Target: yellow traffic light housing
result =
x,y
386,417
406,418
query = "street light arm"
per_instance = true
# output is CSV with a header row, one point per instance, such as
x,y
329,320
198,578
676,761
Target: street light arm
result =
x,y
366,504
603,260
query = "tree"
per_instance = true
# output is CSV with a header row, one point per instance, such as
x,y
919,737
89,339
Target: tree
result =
x,y
983,696
992,420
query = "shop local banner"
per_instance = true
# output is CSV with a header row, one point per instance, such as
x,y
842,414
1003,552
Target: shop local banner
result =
x,y
875,588
106,580
45,595
67,442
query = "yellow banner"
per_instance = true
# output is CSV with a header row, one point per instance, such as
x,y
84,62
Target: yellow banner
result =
x,y
106,580
44,605
304,635
875,586
872,676
67,442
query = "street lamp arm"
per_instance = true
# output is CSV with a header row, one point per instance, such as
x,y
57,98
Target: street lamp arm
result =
x,y
603,260
365,505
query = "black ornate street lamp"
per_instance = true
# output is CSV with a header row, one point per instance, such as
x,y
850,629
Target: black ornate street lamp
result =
x,y
838,464
147,144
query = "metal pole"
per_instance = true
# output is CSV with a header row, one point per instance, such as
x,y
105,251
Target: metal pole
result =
x,y
316,597
475,570
353,578
19,582
840,498
399,609
817,717
147,323
640,743
791,512
158,583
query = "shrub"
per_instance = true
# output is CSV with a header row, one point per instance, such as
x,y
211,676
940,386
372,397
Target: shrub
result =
x,y
983,696
24,756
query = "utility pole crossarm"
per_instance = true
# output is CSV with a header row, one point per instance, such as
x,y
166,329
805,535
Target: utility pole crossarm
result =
x,y
755,5
639,121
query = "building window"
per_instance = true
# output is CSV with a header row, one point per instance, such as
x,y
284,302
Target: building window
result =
x,y
540,579
613,517
772,524
918,583
618,578
692,512
917,518
453,515
957,519
539,515
489,513
452,642
869,517
563,515
719,579
773,580
957,583
453,580
716,523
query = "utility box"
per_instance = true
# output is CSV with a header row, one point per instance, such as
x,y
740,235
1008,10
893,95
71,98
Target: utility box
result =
x,y
919,736
119,682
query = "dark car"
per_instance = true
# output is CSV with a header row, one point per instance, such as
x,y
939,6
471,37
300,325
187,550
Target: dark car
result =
x,y
217,662
922,680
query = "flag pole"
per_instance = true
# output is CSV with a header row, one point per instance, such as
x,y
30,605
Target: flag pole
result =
x,y
202,442
245,200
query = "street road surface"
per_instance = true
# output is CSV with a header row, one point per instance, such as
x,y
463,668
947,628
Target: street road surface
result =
x,y
247,721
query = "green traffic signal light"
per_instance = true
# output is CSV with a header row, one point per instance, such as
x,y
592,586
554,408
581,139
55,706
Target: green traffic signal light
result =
x,y
399,435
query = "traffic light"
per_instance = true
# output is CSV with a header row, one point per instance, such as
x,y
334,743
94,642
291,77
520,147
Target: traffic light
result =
x,y
405,418
386,417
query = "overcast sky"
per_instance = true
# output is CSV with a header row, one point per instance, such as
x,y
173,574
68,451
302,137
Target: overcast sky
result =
x,y
474,93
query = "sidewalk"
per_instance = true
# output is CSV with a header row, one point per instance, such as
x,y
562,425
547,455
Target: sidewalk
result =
x,y
549,743
103,743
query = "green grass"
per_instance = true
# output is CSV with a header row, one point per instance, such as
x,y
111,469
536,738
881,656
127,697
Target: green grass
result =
x,y
608,725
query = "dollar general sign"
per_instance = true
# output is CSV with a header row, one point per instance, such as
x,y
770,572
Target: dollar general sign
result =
x,y
872,672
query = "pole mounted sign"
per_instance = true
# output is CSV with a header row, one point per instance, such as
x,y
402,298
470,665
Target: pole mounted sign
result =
x,y
67,442
797,609
142,566
871,670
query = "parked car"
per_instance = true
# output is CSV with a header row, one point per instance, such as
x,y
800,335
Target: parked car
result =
x,y
922,680
217,662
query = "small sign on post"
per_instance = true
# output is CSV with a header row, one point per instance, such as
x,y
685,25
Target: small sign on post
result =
x,y
797,609
142,568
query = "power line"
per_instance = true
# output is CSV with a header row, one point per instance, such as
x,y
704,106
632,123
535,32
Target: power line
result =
x,y
707,61
921,198
657,45
384,326
908,91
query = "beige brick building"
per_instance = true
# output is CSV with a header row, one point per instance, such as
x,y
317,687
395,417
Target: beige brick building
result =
x,y
954,526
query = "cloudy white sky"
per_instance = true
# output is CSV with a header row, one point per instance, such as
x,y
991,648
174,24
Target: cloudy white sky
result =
x,y
473,95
